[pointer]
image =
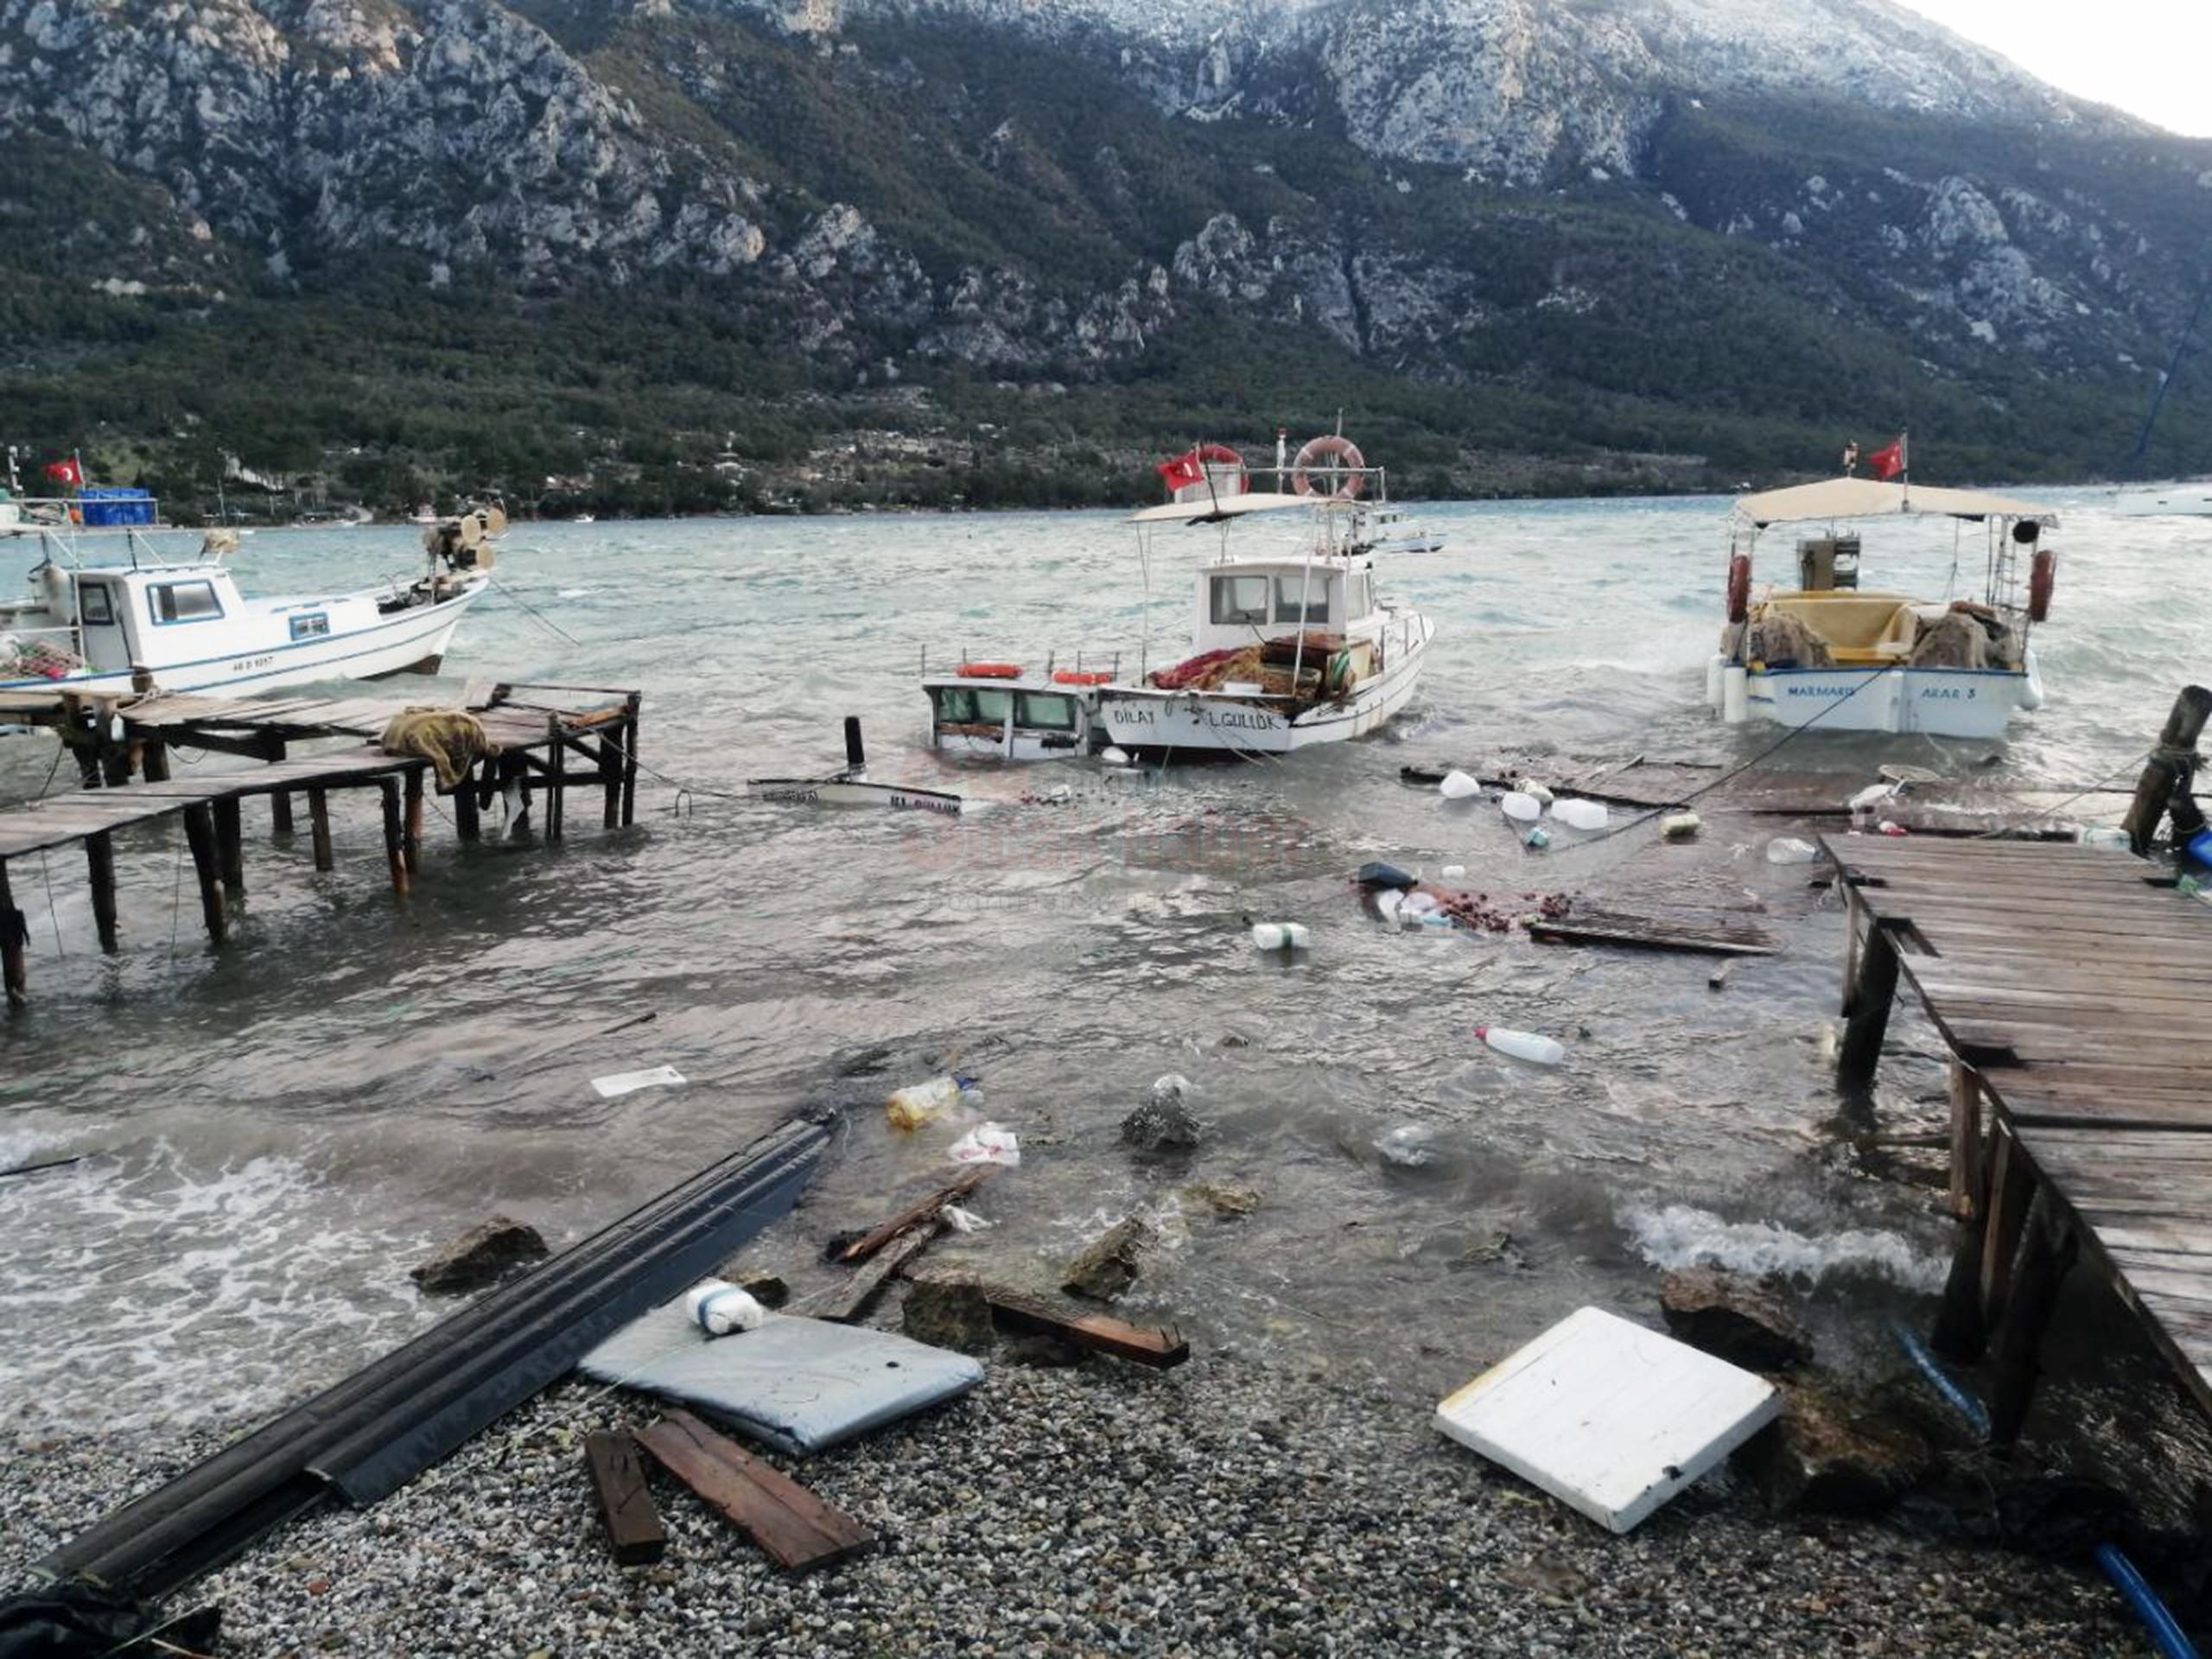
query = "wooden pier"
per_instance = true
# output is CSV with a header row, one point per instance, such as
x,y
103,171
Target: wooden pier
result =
x,y
549,740
2071,983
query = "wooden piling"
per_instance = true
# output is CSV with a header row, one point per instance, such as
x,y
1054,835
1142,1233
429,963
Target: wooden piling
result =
x,y
280,813
630,761
199,833
395,835
556,765
2171,765
414,848
467,823
610,783
2046,1255
15,935
99,858
2011,1194
318,827
1965,1142
229,844
153,762
1871,996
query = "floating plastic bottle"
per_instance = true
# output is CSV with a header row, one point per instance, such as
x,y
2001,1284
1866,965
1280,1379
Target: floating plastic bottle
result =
x,y
1279,935
1454,872
1458,786
1581,814
1536,840
1523,1044
719,1307
1521,807
1680,826
1788,849
2105,836
914,1106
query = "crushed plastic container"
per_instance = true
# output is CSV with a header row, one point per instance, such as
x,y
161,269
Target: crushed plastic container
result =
x,y
1388,903
1581,814
1279,935
1458,786
1523,1044
2106,836
987,1143
1521,807
920,1102
719,1307
1788,849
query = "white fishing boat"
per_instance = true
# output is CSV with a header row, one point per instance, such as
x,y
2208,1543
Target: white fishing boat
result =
x,y
1825,651
849,786
1286,649
109,615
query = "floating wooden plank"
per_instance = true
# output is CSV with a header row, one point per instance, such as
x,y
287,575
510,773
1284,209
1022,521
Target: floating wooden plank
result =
x,y
1715,938
797,1530
634,1533
921,1209
851,1300
1015,1311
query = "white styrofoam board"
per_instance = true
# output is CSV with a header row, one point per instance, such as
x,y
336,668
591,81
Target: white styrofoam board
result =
x,y
1608,1417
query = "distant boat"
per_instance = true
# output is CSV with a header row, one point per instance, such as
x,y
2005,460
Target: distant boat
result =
x,y
583,518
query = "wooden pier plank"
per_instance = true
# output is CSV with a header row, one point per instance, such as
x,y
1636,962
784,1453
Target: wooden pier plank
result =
x,y
634,1534
799,1530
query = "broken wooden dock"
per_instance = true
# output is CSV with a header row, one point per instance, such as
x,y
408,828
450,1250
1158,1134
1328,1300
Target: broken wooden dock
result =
x,y
2071,983
532,730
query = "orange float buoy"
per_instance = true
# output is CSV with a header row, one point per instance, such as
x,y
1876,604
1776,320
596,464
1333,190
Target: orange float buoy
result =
x,y
991,671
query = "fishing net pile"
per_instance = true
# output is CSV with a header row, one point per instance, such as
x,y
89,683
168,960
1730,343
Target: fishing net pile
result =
x,y
36,659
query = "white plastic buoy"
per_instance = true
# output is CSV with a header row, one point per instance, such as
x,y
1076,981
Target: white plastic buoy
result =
x,y
1458,786
719,1307
1113,756
1279,935
1581,814
1523,1044
1735,696
1524,809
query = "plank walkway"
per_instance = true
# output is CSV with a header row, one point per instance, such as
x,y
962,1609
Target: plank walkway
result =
x,y
2071,983
538,742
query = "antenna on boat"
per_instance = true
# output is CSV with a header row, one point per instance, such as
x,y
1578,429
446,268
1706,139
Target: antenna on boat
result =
x,y
856,755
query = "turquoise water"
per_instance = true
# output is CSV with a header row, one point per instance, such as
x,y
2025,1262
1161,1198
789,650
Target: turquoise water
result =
x,y
278,1131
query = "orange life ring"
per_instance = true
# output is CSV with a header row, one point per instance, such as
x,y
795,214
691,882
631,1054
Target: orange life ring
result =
x,y
2043,578
1740,586
1069,676
1349,462
991,671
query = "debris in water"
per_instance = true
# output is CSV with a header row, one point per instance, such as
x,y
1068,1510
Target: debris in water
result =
x,y
614,1087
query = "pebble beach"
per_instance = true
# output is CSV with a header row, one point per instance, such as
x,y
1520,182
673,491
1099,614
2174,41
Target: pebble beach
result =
x,y
1224,1508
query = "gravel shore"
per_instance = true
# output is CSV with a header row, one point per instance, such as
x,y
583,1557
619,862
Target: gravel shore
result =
x,y
1226,1508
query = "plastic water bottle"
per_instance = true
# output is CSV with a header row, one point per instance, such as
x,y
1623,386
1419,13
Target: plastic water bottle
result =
x,y
1581,814
1523,808
1279,935
915,1105
2104,835
1536,840
719,1307
1454,872
1458,786
1523,1045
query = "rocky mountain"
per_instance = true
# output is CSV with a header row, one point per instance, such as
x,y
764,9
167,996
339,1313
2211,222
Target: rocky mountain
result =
x,y
706,241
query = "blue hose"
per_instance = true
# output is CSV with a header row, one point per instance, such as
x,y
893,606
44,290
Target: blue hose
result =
x,y
2170,1640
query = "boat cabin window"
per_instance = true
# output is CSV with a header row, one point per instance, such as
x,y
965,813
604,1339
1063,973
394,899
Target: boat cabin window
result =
x,y
183,601
95,603
1289,590
1045,711
310,625
972,705
1240,599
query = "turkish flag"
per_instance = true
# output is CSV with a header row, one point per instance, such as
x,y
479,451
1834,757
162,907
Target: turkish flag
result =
x,y
67,472
1182,472
1886,464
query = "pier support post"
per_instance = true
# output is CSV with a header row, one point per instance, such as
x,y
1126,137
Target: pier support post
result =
x,y
318,827
414,848
2012,1193
230,845
199,833
2170,767
467,823
154,762
1869,1000
280,813
557,761
1965,1142
395,835
630,762
2047,1254
610,782
15,935
99,859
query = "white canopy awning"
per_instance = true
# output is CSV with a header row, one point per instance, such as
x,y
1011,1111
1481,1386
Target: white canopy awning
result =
x,y
1869,497
1208,510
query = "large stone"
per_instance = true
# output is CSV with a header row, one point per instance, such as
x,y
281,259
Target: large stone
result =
x,y
1733,1319
949,1313
1165,1122
766,1288
1834,1453
1110,1266
1224,1199
482,1256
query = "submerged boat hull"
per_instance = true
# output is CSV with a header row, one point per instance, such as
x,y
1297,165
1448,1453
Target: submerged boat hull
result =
x,y
1934,702
845,791
1143,718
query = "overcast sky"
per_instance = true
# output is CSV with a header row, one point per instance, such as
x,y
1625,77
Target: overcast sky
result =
x,y
2152,57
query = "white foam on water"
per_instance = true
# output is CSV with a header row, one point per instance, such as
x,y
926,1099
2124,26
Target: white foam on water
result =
x,y
1679,1236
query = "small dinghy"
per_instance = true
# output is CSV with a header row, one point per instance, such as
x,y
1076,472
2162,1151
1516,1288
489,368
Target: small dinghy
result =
x,y
850,787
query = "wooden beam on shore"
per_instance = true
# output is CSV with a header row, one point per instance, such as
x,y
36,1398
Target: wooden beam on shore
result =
x,y
1015,1311
635,1535
797,1530
1715,938
921,1209
851,1300
99,859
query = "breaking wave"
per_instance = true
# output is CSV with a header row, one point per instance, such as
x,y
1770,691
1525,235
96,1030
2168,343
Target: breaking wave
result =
x,y
1679,1236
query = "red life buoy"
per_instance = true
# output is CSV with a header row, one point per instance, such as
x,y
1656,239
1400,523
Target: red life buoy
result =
x,y
2043,577
1345,475
991,671
1069,676
1740,586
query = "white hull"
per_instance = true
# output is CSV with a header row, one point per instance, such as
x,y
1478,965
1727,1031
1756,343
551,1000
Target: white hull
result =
x,y
1936,701
412,638
845,791
1142,718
